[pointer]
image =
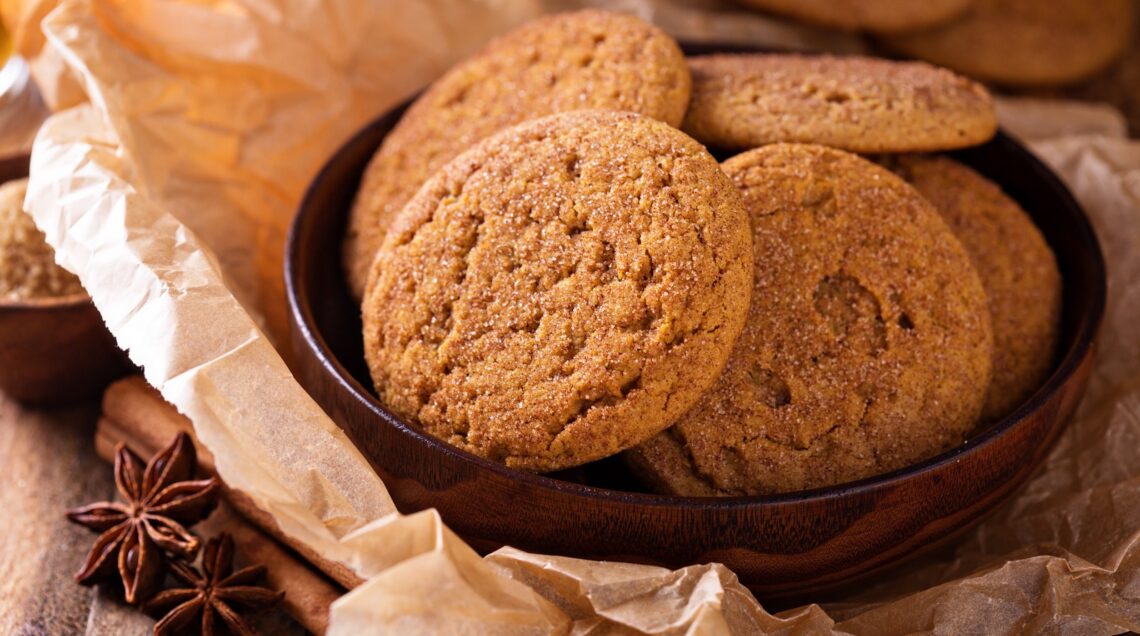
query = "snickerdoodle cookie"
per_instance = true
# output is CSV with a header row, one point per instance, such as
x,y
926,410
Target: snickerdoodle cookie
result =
x,y
1016,266
1027,42
868,343
853,103
884,16
563,290
573,61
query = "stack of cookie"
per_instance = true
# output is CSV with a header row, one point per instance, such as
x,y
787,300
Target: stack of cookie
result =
x,y
554,268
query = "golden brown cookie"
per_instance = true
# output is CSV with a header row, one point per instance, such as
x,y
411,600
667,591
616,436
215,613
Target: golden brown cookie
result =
x,y
883,16
572,61
563,290
1015,264
867,346
853,103
1026,42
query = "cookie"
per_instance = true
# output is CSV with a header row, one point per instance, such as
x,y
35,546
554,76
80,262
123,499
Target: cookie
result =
x,y
573,61
563,290
883,16
1016,267
853,103
867,346
1026,42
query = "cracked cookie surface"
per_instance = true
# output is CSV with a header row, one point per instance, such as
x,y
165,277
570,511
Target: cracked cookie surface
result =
x,y
583,60
853,103
867,346
563,290
1016,266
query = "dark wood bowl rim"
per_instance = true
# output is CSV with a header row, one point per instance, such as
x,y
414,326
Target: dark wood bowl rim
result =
x,y
1088,324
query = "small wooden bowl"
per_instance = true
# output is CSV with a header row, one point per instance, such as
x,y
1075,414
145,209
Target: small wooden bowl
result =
x,y
54,351
784,547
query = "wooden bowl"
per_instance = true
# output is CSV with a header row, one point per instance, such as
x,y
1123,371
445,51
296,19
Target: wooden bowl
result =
x,y
784,547
54,351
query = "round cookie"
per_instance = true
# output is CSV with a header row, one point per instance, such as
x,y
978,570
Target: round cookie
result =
x,y
883,16
1016,267
561,291
868,343
853,103
1026,42
573,61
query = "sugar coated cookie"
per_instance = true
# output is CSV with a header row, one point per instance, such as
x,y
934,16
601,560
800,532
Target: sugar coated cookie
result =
x,y
1016,266
563,290
868,343
884,16
853,103
1027,42
588,59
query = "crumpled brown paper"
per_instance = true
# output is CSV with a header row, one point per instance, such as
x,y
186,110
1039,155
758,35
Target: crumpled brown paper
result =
x,y
169,195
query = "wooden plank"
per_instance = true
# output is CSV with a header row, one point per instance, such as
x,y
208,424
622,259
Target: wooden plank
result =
x,y
110,616
49,465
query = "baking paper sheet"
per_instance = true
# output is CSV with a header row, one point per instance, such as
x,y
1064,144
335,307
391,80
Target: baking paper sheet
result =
x,y
169,193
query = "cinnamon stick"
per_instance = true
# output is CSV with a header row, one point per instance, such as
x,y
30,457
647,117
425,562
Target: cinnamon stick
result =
x,y
143,417
133,413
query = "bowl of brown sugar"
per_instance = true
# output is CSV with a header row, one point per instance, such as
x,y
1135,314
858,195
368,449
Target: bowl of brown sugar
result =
x,y
54,347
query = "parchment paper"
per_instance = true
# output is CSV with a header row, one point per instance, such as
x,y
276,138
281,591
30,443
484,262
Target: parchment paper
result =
x,y
168,194
21,109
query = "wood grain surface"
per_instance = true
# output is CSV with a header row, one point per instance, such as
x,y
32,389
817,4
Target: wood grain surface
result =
x,y
49,465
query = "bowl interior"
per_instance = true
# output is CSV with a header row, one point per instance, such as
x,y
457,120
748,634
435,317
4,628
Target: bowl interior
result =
x,y
330,325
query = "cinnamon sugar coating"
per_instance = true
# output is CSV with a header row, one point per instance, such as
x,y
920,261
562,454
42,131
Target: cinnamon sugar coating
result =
x,y
867,346
582,60
564,290
853,103
1016,266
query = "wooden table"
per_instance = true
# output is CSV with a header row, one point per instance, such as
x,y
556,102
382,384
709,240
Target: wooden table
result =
x,y
49,465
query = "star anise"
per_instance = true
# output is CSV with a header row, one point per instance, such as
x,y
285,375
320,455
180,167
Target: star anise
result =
x,y
212,596
161,500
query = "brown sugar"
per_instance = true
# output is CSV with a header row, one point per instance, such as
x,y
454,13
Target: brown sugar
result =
x,y
27,263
